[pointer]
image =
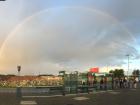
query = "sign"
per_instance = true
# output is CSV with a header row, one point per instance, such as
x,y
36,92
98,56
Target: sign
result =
x,y
100,74
94,70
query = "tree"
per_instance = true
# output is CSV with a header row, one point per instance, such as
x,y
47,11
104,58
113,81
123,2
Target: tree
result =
x,y
117,72
136,72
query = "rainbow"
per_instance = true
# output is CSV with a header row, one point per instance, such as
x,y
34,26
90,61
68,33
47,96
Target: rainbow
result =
x,y
15,30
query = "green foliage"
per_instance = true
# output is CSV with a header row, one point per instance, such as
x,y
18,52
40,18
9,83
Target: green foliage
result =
x,y
136,72
117,72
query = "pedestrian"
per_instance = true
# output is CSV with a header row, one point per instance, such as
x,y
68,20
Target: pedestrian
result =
x,y
135,83
131,83
95,83
105,83
101,83
124,83
121,83
116,83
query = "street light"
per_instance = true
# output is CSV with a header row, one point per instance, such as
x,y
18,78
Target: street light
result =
x,y
19,69
128,65
18,88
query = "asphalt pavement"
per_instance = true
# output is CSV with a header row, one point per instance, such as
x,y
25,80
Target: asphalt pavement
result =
x,y
115,97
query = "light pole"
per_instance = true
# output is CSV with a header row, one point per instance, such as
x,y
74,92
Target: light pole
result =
x,y
19,69
18,88
128,64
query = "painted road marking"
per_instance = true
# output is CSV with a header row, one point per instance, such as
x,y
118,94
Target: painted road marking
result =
x,y
80,98
133,89
28,103
114,93
41,96
53,95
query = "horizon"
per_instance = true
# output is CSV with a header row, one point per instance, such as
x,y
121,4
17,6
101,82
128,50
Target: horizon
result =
x,y
101,70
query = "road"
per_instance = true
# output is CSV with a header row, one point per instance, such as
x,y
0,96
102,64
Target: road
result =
x,y
116,97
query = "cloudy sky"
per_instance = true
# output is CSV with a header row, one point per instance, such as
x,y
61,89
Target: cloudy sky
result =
x,y
46,36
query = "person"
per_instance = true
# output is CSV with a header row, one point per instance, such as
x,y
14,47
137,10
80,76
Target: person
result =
x,y
124,83
131,83
135,83
116,83
101,83
128,82
121,83
83,83
105,83
113,83
95,83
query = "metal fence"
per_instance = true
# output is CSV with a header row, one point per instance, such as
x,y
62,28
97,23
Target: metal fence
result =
x,y
75,83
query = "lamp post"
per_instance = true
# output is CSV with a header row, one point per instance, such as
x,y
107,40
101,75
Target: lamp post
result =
x,y
19,69
128,65
18,88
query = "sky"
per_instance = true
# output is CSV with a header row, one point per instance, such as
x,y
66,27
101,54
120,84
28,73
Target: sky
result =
x,y
46,36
